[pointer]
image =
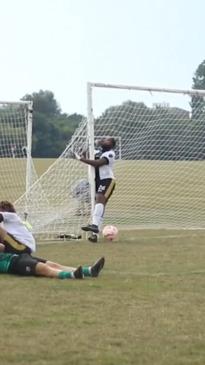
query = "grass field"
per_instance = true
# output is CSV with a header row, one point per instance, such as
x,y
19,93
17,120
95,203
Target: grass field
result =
x,y
148,194
152,193
147,307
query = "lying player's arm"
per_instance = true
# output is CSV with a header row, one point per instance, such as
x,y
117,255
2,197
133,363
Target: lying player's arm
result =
x,y
95,163
1,218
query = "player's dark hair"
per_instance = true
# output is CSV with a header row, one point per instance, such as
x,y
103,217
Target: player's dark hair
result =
x,y
6,206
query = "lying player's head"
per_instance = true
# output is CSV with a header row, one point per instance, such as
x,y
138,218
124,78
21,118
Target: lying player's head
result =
x,y
108,143
6,206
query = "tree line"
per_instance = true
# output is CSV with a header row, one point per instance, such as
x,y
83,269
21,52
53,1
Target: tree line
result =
x,y
154,133
157,132
52,129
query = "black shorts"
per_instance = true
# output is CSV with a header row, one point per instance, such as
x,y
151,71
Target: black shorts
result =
x,y
12,245
24,264
105,187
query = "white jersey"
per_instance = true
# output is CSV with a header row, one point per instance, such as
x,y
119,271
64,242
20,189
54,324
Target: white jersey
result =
x,y
13,224
106,171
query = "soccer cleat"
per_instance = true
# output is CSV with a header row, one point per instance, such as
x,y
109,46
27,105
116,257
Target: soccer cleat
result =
x,y
90,228
78,273
97,267
93,238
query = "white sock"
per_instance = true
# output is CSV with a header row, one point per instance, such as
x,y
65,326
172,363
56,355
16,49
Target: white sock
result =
x,y
98,214
100,222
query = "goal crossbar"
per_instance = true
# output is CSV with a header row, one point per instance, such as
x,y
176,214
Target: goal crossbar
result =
x,y
147,88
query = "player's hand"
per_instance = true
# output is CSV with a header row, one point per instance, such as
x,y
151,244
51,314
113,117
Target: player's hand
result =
x,y
74,155
77,156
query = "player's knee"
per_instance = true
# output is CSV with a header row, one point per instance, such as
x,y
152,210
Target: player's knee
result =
x,y
100,198
42,269
52,264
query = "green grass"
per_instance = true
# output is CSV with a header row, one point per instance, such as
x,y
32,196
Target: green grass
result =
x,y
148,193
154,194
13,172
147,307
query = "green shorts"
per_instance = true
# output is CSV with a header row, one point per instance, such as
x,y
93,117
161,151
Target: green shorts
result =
x,y
5,262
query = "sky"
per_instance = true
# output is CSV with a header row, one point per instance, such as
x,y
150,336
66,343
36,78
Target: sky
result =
x,y
60,45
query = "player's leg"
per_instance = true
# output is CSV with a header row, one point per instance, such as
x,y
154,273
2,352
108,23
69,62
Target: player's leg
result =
x,y
97,218
27,265
55,265
47,271
42,269
105,190
97,214
92,271
110,187
103,198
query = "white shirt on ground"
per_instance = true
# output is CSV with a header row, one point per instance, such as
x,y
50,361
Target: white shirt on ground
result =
x,y
13,224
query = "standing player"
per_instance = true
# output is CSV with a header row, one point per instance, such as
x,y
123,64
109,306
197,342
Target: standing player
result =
x,y
105,183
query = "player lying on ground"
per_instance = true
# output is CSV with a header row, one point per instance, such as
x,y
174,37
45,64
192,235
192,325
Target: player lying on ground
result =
x,y
17,239
26,265
105,183
15,236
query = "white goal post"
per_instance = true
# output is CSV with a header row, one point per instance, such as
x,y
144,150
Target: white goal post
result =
x,y
160,166
17,171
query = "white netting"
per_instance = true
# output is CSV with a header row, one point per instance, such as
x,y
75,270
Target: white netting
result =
x,y
160,176
13,150
59,202
160,166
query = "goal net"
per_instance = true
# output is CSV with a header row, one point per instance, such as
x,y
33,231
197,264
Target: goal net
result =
x,y
160,175
17,171
58,203
159,170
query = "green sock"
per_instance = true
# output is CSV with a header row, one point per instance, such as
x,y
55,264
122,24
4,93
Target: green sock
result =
x,y
87,270
66,275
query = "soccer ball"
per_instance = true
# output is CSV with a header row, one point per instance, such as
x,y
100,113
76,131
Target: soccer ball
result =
x,y
110,232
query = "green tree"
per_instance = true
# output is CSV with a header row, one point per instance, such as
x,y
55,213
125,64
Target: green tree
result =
x,y
150,133
198,102
44,102
52,129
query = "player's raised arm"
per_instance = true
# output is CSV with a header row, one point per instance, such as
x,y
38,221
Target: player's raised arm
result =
x,y
95,163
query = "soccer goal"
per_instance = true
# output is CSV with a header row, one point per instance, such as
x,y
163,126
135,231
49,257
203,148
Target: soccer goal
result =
x,y
17,171
160,166
161,169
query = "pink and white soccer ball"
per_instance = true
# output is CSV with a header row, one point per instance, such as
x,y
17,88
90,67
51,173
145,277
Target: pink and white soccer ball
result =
x,y
110,232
